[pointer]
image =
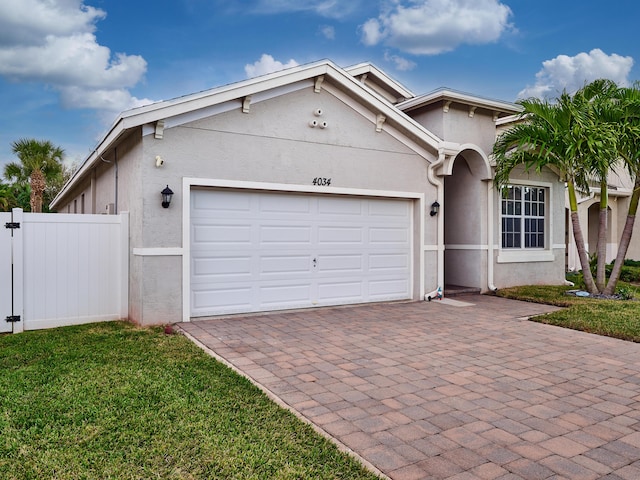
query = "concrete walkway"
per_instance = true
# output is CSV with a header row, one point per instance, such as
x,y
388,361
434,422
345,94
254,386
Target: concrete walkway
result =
x,y
448,390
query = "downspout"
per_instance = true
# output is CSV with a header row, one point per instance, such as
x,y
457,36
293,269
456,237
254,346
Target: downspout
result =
x,y
490,234
431,175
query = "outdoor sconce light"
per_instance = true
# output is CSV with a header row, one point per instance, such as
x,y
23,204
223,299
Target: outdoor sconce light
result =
x,y
435,207
167,193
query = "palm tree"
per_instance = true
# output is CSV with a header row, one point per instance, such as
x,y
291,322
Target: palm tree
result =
x,y
629,152
549,136
6,198
598,116
583,137
40,163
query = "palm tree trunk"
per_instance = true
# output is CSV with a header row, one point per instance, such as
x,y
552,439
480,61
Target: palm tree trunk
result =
x,y
602,239
38,184
579,239
625,240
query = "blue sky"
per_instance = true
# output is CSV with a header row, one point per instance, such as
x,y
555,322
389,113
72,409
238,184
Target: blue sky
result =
x,y
68,67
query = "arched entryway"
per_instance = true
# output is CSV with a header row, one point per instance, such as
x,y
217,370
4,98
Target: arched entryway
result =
x,y
465,221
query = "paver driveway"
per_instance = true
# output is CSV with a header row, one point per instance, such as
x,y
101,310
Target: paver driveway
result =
x,y
446,390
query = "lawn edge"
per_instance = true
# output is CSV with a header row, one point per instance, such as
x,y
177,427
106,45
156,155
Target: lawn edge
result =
x,y
282,404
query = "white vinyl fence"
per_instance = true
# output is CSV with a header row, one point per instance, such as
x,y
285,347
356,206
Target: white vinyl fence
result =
x,y
62,269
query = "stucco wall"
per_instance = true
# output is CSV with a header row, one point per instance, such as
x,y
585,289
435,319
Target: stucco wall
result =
x,y
533,271
272,144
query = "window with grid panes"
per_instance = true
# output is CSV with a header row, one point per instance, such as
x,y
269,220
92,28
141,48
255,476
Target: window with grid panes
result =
x,y
523,216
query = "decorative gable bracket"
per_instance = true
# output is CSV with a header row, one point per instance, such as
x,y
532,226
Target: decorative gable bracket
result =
x,y
318,84
380,119
246,104
159,133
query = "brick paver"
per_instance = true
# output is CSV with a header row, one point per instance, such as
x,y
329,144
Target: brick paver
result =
x,y
433,390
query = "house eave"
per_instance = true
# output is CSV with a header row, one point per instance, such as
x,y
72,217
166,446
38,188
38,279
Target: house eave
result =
x,y
501,108
325,70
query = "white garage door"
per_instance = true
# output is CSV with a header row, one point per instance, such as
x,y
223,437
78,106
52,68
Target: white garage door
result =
x,y
256,251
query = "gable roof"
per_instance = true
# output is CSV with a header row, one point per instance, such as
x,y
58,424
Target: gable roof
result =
x,y
318,73
498,107
376,79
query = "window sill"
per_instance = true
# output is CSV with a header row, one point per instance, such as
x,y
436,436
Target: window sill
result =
x,y
525,256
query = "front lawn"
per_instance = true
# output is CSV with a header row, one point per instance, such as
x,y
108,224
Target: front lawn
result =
x,y
112,400
614,318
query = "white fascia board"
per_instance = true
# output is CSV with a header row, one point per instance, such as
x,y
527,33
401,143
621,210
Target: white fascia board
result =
x,y
464,98
362,68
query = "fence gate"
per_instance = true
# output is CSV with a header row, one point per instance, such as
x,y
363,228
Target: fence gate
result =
x,y
6,287
62,269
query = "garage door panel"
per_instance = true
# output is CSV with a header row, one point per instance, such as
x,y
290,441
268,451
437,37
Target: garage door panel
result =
x,y
221,234
386,236
224,203
394,210
331,264
254,251
212,267
393,288
285,264
342,207
385,261
285,234
333,234
348,292
286,295
284,205
225,299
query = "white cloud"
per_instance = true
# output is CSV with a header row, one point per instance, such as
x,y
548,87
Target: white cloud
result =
x,y
28,22
571,73
328,32
431,27
325,8
52,42
401,63
267,64
113,100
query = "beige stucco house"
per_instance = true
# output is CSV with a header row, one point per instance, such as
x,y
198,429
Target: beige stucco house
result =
x,y
317,185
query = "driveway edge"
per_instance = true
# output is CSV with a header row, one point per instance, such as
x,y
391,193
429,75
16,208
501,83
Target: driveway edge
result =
x,y
275,398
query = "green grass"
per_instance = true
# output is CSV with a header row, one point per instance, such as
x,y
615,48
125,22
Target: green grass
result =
x,y
614,318
114,401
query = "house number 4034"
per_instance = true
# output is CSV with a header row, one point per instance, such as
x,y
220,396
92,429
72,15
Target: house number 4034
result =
x,y
322,181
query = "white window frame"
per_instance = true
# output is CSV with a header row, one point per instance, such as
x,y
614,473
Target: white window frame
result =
x,y
531,254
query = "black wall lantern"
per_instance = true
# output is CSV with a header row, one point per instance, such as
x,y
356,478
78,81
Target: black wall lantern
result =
x,y
435,207
167,193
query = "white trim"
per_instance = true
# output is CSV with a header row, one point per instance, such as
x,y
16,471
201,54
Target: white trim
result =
x,y
158,251
558,246
507,255
466,247
430,248
525,256
189,182
124,264
286,187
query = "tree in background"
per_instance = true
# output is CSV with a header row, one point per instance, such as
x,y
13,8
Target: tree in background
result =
x,y
40,163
